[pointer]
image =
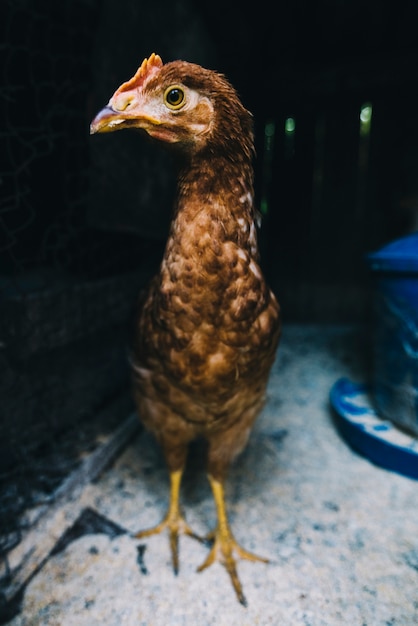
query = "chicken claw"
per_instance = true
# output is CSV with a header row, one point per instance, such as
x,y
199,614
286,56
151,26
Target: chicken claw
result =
x,y
173,521
225,546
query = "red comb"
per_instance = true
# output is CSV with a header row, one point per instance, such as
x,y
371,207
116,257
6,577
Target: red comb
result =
x,y
149,67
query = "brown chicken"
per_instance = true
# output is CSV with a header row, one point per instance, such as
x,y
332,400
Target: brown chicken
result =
x,y
208,329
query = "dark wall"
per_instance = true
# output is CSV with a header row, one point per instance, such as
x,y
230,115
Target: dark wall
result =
x,y
88,206
335,189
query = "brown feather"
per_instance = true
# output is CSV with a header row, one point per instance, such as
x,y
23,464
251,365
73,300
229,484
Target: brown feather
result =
x,y
208,332
209,326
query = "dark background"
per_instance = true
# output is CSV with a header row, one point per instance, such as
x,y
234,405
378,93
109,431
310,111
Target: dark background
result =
x,y
83,219
75,207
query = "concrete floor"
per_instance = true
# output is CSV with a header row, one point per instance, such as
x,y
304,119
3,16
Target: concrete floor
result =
x,y
340,533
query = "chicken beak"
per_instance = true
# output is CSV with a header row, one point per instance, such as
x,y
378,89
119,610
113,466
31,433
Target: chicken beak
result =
x,y
106,121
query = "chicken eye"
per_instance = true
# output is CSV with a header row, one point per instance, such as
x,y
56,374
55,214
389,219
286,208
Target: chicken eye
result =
x,y
174,97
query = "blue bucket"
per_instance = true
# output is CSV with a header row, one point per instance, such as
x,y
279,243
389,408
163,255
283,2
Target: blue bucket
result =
x,y
395,373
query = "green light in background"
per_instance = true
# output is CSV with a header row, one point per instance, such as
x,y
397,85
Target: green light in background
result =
x,y
264,207
269,129
269,132
289,126
366,111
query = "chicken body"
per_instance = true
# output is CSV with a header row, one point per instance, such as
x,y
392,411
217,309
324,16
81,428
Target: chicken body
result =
x,y
208,330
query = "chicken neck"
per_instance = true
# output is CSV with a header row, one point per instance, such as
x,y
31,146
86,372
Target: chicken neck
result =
x,y
213,228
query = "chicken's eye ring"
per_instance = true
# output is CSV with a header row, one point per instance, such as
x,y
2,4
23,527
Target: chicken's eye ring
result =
x,y
174,97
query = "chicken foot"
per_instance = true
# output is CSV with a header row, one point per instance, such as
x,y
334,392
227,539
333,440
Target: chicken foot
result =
x,y
225,546
173,521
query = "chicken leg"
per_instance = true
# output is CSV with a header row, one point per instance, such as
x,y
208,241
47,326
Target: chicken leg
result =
x,y
224,544
173,521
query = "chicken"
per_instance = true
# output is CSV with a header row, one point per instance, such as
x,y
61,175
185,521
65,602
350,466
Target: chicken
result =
x,y
209,326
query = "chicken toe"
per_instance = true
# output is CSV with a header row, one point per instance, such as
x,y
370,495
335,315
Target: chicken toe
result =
x,y
173,521
225,548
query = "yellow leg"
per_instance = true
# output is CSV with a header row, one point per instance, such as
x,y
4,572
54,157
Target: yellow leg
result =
x,y
225,546
173,521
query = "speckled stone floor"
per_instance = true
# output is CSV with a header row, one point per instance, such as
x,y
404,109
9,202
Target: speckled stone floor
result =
x,y
341,534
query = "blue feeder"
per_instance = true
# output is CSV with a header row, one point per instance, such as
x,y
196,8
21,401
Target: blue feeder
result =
x,y
382,422
395,369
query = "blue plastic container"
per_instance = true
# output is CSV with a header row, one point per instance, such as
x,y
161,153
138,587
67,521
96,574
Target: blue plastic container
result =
x,y
395,373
